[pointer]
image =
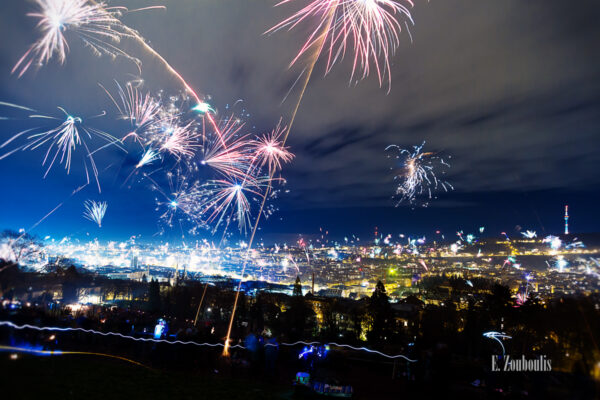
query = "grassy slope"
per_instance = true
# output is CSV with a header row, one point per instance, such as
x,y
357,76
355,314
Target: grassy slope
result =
x,y
88,377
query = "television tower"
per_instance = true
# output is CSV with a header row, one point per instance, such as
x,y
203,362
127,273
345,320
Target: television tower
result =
x,y
566,220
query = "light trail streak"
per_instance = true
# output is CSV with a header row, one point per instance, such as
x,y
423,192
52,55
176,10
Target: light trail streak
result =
x,y
74,192
61,352
497,336
95,332
371,351
238,346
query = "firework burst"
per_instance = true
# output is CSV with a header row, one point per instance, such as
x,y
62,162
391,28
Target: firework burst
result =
x,y
160,128
228,151
180,140
180,197
141,110
94,211
369,29
270,151
96,25
417,175
62,141
225,200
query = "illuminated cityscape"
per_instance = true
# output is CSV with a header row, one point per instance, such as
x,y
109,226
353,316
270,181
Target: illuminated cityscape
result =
x,y
553,266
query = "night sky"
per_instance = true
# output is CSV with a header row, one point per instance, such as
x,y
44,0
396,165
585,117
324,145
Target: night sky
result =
x,y
510,89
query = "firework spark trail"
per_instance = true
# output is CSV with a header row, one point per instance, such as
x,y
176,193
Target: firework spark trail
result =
x,y
73,193
206,284
137,339
371,28
200,304
319,46
149,156
94,211
164,62
96,25
5,104
418,174
26,231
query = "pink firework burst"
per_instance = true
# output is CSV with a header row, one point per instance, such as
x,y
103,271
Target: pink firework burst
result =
x,y
95,24
368,29
270,150
180,140
141,110
227,151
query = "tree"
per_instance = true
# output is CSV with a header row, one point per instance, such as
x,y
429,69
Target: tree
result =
x,y
380,314
499,304
297,287
9,276
15,246
182,301
154,296
357,320
70,287
379,298
300,316
330,326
